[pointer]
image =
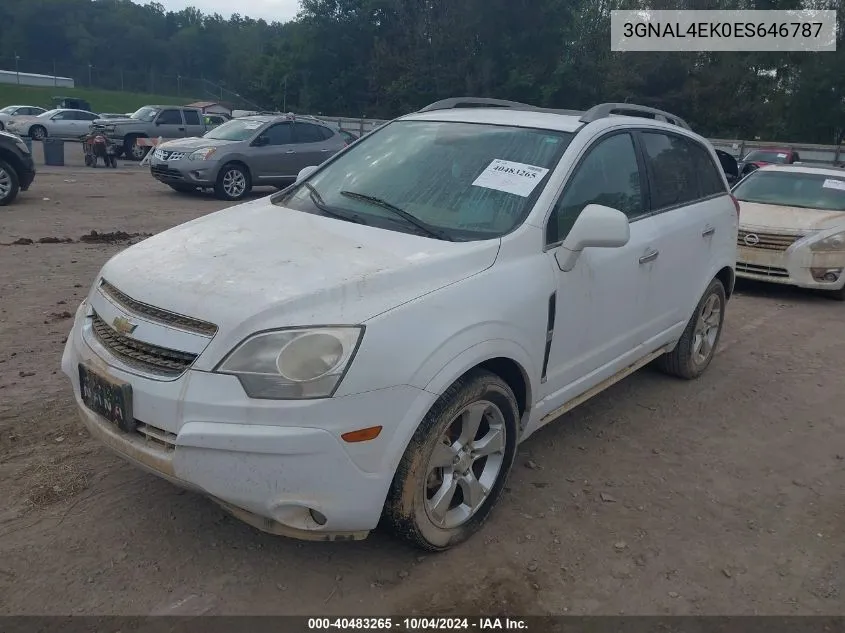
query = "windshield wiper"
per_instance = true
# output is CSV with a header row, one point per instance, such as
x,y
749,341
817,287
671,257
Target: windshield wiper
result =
x,y
318,201
410,219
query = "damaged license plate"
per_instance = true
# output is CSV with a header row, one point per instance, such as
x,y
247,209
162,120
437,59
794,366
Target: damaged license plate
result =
x,y
108,398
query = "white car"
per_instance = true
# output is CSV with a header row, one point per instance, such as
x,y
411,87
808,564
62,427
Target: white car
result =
x,y
376,339
17,110
792,227
60,123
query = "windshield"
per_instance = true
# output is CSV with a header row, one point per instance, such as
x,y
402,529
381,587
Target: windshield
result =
x,y
145,114
49,113
461,181
236,130
794,189
8,110
764,156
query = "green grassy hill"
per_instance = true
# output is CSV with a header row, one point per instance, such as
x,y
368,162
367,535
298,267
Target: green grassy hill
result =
x,y
100,100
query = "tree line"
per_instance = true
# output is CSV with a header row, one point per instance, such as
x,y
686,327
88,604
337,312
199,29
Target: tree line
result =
x,y
383,58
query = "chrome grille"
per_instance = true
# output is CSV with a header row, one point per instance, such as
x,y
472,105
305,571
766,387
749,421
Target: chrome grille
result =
x,y
163,154
144,356
155,436
765,271
766,241
158,315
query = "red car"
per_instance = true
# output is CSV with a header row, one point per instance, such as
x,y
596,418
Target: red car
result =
x,y
768,156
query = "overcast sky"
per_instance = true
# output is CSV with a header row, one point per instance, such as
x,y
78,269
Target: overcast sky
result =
x,y
270,10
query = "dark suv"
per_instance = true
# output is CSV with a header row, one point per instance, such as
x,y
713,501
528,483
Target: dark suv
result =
x,y
17,169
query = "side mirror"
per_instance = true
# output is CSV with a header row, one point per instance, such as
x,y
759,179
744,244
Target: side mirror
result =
x,y
597,227
261,141
158,122
307,171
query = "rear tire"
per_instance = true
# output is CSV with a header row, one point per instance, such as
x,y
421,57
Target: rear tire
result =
x,y
9,184
698,343
37,132
233,183
456,465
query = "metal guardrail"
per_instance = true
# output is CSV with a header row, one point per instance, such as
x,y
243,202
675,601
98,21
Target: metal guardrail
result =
x,y
809,153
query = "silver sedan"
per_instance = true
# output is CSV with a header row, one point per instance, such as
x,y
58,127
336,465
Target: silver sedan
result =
x,y
61,123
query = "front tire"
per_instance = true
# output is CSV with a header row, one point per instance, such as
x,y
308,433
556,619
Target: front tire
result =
x,y
233,183
183,188
698,343
37,133
837,295
456,465
9,184
132,150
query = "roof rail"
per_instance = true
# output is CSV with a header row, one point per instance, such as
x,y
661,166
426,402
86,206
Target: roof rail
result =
x,y
483,102
475,102
604,110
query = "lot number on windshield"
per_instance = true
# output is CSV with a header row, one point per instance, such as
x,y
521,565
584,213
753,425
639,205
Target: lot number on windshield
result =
x,y
516,178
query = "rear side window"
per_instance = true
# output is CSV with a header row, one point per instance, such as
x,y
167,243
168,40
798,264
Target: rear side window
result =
x,y
191,117
673,166
327,133
308,133
709,176
170,117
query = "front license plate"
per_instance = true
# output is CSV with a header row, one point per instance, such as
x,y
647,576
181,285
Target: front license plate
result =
x,y
108,398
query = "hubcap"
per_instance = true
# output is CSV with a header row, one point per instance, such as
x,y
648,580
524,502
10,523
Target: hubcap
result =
x,y
137,151
5,183
234,183
465,464
706,329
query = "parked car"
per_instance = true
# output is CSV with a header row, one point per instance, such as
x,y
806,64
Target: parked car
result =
x,y
792,228
65,124
17,110
245,152
770,156
375,340
17,169
150,122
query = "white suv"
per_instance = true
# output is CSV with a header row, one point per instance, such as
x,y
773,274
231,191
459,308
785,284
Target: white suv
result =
x,y
375,340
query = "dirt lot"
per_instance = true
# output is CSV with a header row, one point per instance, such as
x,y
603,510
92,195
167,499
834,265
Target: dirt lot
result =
x,y
723,496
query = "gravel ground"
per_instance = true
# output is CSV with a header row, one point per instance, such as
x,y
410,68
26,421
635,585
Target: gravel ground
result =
x,y
721,496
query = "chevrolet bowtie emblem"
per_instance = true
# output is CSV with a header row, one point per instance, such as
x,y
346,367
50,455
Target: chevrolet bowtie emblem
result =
x,y
124,325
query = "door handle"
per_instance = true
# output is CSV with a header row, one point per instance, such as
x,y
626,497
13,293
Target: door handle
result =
x,y
649,257
324,150
708,231
290,151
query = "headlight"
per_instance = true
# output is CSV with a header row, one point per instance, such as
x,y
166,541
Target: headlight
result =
x,y
202,154
293,364
835,242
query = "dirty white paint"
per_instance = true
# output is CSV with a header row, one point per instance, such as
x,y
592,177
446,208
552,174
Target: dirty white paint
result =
x,y
431,310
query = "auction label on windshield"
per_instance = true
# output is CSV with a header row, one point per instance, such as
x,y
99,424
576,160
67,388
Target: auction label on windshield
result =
x,y
516,178
832,183
759,30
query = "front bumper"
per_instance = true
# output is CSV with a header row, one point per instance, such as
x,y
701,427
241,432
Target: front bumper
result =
x,y
794,266
270,463
199,173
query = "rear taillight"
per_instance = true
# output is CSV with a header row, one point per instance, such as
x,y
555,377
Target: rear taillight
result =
x,y
736,204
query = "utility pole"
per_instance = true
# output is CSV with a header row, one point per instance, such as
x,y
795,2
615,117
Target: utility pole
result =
x,y
285,103
55,76
89,73
17,72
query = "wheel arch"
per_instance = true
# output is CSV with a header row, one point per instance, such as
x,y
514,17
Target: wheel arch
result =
x,y
728,278
12,159
506,359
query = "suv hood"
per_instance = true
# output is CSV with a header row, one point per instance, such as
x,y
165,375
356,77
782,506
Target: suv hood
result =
x,y
193,143
754,215
257,266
